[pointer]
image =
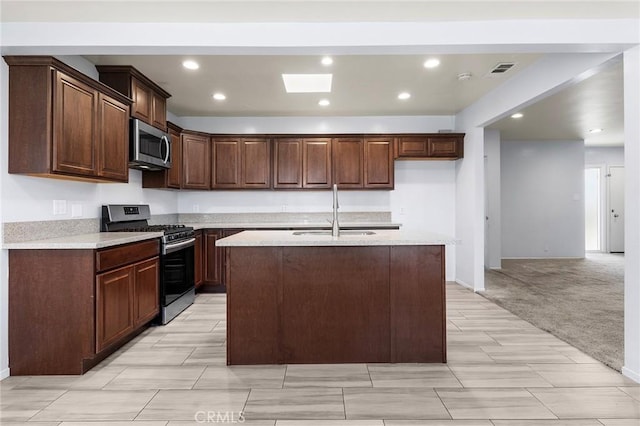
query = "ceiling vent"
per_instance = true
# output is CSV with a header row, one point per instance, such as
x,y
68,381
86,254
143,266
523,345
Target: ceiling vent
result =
x,y
501,68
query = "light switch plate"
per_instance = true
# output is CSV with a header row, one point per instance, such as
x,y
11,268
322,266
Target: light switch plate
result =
x,y
59,207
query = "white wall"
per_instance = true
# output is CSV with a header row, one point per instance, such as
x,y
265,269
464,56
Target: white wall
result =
x,y
631,366
604,156
493,234
542,199
4,255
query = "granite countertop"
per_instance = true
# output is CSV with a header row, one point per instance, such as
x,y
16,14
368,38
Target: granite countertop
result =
x,y
380,238
293,225
95,240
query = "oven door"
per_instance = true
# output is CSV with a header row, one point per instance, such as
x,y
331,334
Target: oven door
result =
x,y
176,271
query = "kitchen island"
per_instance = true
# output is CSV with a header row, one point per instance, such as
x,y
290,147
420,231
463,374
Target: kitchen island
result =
x,y
308,297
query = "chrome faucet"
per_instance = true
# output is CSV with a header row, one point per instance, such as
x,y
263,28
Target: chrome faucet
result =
x,y
335,226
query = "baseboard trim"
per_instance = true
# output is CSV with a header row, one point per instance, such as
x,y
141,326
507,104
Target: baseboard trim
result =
x,y
5,373
543,258
470,287
633,375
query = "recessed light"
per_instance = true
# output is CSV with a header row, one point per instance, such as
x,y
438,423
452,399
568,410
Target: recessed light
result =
x,y
404,96
431,63
219,96
517,115
190,65
324,102
326,61
595,130
307,83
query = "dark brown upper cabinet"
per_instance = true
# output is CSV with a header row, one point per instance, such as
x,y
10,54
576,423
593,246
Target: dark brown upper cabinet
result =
x,y
348,162
441,146
168,178
378,163
302,163
65,124
149,99
363,162
241,163
196,160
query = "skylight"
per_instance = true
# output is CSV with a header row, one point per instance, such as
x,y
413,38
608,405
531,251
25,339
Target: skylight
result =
x,y
307,83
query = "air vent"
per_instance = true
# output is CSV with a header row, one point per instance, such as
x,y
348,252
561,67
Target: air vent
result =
x,y
502,67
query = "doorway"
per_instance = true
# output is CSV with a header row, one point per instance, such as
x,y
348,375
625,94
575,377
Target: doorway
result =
x,y
616,209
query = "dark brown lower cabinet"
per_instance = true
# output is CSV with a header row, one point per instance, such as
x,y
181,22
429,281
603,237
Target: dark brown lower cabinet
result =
x,y
198,254
214,260
69,309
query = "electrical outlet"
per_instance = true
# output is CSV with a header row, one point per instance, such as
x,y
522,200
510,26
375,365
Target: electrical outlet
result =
x,y
401,211
196,208
284,207
59,207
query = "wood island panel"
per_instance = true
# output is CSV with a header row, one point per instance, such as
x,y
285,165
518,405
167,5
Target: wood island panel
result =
x,y
254,297
417,304
335,304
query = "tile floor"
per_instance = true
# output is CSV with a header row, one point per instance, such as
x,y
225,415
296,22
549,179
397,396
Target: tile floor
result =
x,y
502,371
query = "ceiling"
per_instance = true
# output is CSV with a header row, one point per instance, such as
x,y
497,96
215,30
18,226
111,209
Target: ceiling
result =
x,y
595,103
369,85
362,84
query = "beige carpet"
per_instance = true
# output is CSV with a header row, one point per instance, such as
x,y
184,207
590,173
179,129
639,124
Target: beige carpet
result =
x,y
578,300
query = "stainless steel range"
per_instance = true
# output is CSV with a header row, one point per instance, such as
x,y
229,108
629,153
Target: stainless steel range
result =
x,y
177,289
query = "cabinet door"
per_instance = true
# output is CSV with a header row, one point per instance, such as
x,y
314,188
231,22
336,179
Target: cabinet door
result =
x,y
378,160
445,147
287,163
146,292
74,123
114,306
348,162
198,256
316,163
141,96
196,161
174,175
113,139
225,158
412,146
256,163
212,257
158,111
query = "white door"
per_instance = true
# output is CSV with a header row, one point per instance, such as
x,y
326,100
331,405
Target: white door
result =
x,y
487,259
616,209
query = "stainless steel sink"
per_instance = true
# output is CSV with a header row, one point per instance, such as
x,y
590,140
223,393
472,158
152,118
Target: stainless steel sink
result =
x,y
354,232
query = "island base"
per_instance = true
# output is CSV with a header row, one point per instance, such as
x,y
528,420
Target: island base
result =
x,y
321,305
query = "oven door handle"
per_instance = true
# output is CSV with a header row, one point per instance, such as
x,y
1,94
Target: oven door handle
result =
x,y
171,248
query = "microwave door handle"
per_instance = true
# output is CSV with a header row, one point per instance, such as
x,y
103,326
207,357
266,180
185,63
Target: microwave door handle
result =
x,y
166,142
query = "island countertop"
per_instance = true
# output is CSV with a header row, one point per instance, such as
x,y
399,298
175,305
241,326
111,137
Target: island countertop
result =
x,y
314,239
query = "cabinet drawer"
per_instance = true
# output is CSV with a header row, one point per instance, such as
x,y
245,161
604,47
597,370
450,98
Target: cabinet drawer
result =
x,y
412,146
445,147
125,255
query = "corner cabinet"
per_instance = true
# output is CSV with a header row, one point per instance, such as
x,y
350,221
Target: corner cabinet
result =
x,y
149,99
196,160
437,146
69,309
65,124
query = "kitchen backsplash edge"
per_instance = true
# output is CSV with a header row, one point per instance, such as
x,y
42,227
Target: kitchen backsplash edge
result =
x,y
15,232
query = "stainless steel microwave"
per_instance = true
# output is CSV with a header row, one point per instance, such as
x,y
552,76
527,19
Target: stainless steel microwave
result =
x,y
150,148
